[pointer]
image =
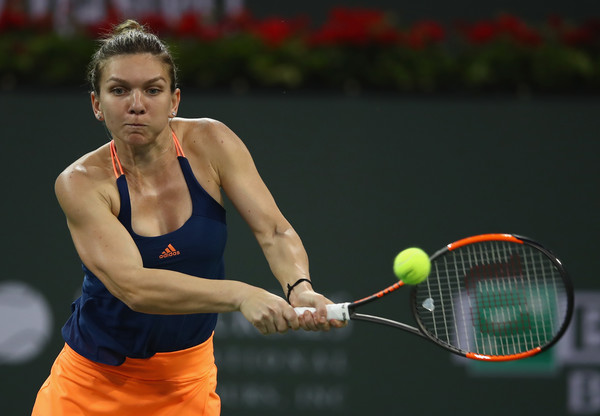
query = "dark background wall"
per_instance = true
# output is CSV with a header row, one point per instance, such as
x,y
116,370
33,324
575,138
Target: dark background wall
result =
x,y
442,10
360,179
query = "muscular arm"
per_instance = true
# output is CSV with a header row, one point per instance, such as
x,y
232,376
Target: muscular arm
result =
x,y
280,243
108,250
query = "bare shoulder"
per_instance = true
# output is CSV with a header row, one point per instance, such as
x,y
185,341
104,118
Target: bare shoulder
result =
x,y
87,180
206,134
212,146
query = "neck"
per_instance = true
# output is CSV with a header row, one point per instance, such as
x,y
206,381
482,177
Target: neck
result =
x,y
144,158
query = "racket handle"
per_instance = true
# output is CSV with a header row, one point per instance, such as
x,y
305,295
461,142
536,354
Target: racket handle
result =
x,y
337,311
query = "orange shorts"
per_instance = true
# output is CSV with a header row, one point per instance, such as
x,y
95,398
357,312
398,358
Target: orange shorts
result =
x,y
179,383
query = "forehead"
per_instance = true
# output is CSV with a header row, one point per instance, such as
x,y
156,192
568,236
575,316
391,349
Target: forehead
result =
x,y
134,68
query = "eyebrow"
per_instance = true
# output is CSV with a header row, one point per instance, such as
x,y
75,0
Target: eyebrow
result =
x,y
150,81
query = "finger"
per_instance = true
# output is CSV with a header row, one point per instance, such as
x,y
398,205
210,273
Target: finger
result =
x,y
261,328
321,318
310,321
292,320
304,320
337,324
271,328
266,326
324,326
281,324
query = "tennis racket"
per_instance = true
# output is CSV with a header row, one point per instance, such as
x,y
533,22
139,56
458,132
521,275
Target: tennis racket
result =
x,y
490,297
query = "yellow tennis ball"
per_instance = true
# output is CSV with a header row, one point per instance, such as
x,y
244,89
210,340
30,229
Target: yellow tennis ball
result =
x,y
412,266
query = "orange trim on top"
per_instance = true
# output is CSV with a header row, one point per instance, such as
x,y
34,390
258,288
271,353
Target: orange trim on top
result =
x,y
481,238
113,156
509,357
177,145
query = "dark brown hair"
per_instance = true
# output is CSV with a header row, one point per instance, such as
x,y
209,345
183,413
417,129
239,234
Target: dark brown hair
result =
x,y
129,38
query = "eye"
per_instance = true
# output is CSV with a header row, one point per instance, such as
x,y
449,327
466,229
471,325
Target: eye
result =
x,y
118,91
154,91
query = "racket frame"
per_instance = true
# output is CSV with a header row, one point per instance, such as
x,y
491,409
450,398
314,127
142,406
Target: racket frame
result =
x,y
508,238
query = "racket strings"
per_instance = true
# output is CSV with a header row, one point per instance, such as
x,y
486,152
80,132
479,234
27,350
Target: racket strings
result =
x,y
493,298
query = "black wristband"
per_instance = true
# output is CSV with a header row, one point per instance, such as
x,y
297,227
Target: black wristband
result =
x,y
291,287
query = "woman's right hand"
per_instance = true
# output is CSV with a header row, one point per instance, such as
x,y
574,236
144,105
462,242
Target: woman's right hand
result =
x,y
269,313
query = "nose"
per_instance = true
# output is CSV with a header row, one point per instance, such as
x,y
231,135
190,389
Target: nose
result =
x,y
137,104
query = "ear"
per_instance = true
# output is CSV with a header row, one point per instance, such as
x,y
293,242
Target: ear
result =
x,y
175,98
96,106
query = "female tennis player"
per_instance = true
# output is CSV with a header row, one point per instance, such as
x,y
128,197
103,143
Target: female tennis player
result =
x,y
146,215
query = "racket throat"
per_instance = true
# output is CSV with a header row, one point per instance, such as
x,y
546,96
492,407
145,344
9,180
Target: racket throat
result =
x,y
386,322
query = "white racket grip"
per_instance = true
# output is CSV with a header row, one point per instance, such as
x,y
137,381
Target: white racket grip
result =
x,y
337,311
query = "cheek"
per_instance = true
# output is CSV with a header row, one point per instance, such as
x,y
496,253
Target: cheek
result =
x,y
108,115
113,110
112,118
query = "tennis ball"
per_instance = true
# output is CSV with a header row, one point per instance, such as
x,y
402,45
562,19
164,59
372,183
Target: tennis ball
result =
x,y
412,266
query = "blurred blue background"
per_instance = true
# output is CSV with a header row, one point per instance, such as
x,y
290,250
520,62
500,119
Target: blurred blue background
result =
x,y
377,126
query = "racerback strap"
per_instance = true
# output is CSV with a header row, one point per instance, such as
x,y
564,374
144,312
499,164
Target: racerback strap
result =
x,y
116,163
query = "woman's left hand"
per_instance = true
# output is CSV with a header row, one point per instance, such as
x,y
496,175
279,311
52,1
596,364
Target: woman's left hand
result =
x,y
315,321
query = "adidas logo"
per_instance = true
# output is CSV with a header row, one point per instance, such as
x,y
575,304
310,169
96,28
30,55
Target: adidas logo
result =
x,y
170,251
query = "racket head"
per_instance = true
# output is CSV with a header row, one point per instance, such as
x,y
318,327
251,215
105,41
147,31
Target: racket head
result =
x,y
494,297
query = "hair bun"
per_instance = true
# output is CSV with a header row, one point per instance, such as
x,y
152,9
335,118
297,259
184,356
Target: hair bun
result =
x,y
127,26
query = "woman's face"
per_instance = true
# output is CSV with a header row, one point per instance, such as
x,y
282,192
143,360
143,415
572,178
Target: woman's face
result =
x,y
135,98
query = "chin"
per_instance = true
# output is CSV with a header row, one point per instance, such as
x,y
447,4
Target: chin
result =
x,y
135,139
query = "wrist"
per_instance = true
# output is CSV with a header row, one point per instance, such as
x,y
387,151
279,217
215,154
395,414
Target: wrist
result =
x,y
244,292
298,287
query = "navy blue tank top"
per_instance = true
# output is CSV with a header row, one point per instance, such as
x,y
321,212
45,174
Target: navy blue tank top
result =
x,y
104,329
